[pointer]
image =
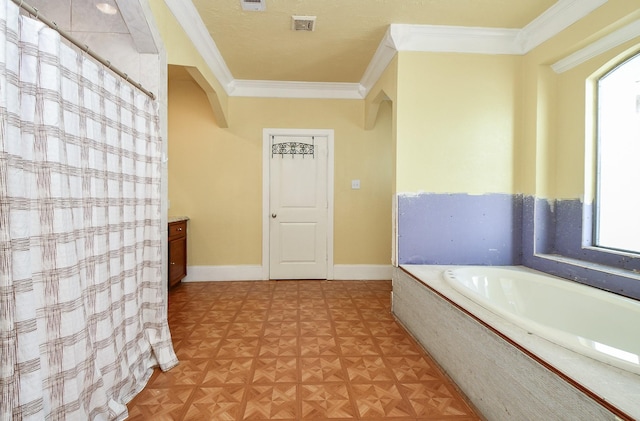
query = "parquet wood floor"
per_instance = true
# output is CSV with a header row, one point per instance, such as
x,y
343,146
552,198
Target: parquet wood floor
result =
x,y
294,350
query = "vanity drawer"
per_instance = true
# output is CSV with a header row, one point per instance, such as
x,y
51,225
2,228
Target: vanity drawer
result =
x,y
177,251
177,229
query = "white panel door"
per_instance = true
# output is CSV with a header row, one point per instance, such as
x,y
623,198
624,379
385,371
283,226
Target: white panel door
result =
x,y
298,207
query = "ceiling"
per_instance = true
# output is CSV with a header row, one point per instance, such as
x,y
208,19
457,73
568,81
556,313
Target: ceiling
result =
x,y
262,45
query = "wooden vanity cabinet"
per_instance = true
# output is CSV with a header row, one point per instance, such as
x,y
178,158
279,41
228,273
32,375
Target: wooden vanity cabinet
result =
x,y
177,251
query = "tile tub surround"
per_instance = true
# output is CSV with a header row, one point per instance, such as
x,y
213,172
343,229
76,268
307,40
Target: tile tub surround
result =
x,y
507,372
294,350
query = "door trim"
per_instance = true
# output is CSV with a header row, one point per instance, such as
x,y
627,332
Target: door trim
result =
x,y
266,179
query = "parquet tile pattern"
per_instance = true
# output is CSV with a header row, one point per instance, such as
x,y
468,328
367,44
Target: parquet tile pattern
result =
x,y
294,350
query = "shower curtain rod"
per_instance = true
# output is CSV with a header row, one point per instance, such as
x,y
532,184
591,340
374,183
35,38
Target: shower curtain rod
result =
x,y
84,47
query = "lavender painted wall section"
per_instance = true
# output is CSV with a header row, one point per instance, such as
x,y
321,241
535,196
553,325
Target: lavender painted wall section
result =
x,y
460,229
502,229
556,229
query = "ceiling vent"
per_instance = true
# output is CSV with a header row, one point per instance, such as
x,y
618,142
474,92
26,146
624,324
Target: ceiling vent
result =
x,y
254,5
303,23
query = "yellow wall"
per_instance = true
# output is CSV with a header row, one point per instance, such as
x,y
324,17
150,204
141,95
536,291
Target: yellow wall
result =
x,y
456,122
363,217
382,98
474,123
556,141
453,123
215,174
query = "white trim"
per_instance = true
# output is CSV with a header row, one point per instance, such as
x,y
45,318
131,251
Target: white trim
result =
x,y
454,39
255,273
594,49
385,52
394,231
266,179
279,89
223,273
399,37
433,38
554,20
188,17
362,272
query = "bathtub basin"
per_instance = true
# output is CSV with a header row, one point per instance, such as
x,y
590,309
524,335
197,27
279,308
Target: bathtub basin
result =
x,y
592,322
520,361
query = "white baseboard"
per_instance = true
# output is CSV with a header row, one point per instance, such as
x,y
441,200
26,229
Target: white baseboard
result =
x,y
362,272
254,273
223,273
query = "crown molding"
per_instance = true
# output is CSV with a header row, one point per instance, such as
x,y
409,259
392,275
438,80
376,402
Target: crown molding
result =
x,y
454,39
429,38
614,39
385,52
399,37
188,17
280,89
554,20
434,38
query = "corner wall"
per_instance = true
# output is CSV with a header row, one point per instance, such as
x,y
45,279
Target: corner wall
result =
x,y
455,135
495,154
556,151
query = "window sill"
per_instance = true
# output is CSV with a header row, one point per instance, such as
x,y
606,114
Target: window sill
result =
x,y
615,252
592,266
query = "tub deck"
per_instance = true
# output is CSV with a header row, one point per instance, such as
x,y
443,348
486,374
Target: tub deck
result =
x,y
502,367
586,320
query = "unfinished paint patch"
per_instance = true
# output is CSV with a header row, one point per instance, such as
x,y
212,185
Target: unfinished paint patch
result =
x,y
459,229
557,238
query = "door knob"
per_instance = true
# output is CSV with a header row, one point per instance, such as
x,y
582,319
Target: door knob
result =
x,y
273,215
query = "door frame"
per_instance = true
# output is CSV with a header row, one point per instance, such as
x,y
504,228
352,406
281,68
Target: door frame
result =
x,y
266,183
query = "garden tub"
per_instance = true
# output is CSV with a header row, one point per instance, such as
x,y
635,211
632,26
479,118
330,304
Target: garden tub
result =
x,y
525,345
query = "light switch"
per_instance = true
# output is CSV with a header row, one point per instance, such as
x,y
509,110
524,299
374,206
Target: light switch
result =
x,y
355,184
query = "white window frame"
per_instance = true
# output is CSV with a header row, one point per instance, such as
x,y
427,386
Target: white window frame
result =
x,y
611,243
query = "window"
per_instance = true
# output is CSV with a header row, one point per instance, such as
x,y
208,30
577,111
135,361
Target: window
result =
x,y
617,207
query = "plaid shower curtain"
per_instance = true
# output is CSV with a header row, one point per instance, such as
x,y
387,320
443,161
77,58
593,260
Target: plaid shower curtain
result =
x,y
82,301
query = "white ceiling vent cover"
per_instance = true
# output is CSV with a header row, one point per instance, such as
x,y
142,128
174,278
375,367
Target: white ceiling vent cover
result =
x,y
303,23
254,5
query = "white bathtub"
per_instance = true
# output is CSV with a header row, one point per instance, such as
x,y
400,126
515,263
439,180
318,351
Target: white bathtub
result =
x,y
598,324
504,340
